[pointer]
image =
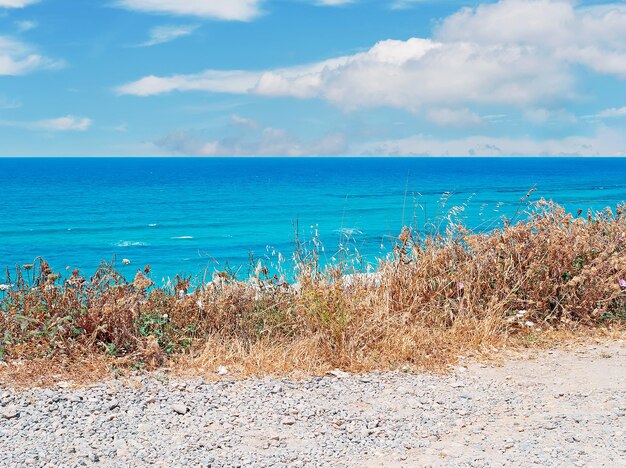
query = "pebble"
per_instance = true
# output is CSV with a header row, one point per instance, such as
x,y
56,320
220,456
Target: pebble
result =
x,y
475,417
180,408
10,412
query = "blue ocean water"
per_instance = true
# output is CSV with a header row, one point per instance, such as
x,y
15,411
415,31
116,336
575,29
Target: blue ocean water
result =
x,y
188,215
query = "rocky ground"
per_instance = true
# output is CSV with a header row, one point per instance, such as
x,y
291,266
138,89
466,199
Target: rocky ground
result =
x,y
558,408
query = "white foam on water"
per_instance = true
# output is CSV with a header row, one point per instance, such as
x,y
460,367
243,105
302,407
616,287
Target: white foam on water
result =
x,y
129,244
182,237
349,231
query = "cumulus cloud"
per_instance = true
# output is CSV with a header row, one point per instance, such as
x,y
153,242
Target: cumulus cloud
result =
x,y
18,58
594,37
403,74
162,34
230,10
58,124
16,3
519,53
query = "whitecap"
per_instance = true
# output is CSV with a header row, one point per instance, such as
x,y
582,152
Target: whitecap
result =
x,y
349,231
152,225
129,244
182,237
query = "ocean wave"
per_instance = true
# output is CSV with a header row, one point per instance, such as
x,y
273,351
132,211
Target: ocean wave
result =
x,y
349,231
152,225
182,238
129,244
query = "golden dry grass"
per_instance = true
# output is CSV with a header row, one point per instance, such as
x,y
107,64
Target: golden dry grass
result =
x,y
550,277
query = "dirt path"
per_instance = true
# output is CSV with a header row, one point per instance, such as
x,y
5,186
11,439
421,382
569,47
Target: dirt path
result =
x,y
558,408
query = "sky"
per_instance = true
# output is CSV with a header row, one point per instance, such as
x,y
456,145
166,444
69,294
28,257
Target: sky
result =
x,y
312,78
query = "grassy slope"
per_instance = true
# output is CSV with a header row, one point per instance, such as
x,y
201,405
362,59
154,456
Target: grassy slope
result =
x,y
437,298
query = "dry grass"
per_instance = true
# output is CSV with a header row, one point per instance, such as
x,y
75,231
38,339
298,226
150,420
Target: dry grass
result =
x,y
548,277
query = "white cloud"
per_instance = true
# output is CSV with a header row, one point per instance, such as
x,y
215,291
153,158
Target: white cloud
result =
x,y
66,123
333,2
552,23
269,141
517,53
16,3
540,116
236,82
252,139
17,58
612,113
24,26
605,142
454,117
594,37
59,124
232,10
162,34
403,74
404,4
240,121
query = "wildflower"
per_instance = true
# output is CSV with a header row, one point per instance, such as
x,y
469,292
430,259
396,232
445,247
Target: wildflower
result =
x,y
622,283
126,261
460,286
5,287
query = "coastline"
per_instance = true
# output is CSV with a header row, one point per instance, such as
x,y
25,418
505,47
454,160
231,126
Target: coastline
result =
x,y
437,298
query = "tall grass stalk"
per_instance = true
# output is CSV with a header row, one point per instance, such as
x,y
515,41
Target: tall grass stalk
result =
x,y
437,296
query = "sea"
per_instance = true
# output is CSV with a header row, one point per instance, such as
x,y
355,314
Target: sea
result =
x,y
195,216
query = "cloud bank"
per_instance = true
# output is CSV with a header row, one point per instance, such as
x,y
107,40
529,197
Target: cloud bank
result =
x,y
605,142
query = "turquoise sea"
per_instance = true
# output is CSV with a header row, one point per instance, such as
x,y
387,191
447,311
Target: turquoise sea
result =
x,y
187,215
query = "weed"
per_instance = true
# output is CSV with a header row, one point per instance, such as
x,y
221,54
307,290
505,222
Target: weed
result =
x,y
436,296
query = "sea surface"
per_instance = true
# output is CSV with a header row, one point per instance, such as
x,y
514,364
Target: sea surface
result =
x,y
191,216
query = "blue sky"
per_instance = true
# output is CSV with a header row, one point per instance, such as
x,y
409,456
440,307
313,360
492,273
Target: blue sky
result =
x,y
309,77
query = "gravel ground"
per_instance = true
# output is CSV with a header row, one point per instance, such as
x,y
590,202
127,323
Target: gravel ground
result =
x,y
559,408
